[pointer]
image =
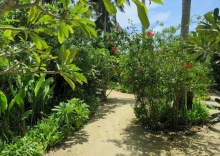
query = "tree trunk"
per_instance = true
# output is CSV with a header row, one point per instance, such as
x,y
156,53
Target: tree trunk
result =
x,y
186,6
105,21
143,29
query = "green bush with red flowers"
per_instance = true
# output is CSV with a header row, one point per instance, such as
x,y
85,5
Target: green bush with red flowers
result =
x,y
160,72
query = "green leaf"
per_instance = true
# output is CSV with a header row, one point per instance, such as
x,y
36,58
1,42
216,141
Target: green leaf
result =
x,y
26,114
110,7
38,85
3,61
31,14
142,13
72,55
158,1
70,29
3,102
64,54
68,80
37,57
19,101
120,2
81,77
60,35
7,33
36,41
43,19
64,29
208,16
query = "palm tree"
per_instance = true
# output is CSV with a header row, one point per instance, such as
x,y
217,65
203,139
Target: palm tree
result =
x,y
103,19
186,6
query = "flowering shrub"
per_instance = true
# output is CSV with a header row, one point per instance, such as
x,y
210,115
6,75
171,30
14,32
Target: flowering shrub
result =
x,y
159,71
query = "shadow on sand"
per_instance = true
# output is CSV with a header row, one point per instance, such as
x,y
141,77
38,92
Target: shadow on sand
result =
x,y
78,137
142,142
108,107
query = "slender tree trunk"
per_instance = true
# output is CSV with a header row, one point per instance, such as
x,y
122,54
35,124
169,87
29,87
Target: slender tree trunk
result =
x,y
186,6
105,21
143,29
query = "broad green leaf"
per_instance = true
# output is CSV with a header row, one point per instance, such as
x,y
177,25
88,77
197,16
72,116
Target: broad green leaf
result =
x,y
42,42
19,101
31,14
86,21
64,30
142,13
7,33
81,77
43,19
36,41
26,114
64,54
3,102
83,1
60,35
70,29
37,57
208,16
38,85
158,1
73,67
3,61
110,7
68,80
120,2
73,52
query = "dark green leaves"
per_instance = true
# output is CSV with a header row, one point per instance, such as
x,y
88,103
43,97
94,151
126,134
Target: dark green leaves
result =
x,y
142,13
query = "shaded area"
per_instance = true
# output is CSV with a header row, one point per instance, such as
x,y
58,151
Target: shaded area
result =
x,y
140,142
78,137
108,107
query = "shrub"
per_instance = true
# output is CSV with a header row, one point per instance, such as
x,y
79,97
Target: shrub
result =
x,y
49,131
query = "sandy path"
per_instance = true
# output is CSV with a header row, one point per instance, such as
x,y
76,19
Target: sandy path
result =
x,y
113,132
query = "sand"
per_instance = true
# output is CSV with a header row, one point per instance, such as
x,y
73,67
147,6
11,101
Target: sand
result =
x,y
113,132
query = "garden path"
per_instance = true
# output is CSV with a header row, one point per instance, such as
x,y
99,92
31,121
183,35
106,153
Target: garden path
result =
x,y
113,132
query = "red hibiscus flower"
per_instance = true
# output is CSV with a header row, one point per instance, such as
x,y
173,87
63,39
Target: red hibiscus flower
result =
x,y
188,64
149,34
116,27
114,48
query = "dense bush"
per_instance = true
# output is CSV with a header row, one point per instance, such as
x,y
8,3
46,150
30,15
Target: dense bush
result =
x,y
159,71
50,130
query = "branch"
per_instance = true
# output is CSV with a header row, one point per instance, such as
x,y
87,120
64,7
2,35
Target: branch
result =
x,y
23,6
15,29
52,15
5,5
28,73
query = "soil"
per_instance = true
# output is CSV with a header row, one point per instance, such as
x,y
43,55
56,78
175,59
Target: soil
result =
x,y
113,132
